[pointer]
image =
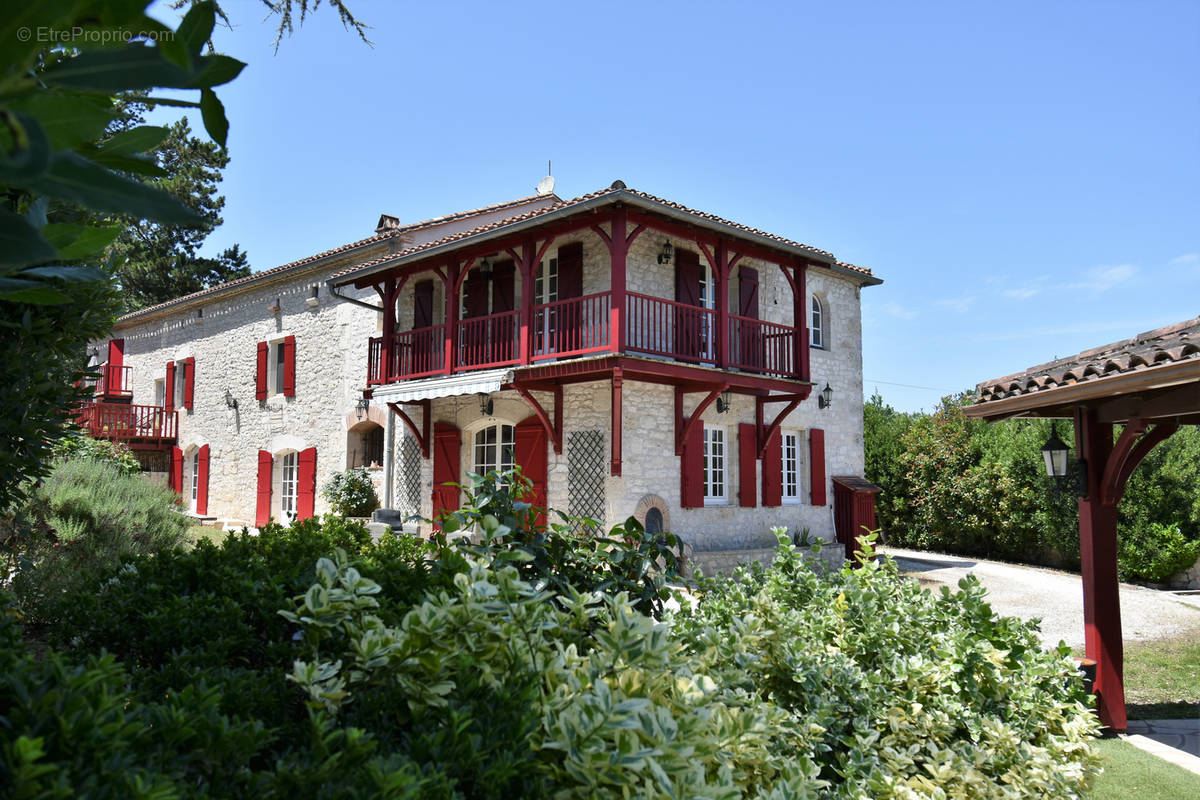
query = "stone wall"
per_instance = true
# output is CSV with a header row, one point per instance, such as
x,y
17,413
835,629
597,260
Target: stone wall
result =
x,y
1186,579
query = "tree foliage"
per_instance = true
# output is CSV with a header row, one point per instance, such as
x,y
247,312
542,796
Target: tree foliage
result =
x,y
977,488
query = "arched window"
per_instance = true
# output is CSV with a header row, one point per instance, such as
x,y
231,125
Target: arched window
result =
x,y
816,326
364,445
495,449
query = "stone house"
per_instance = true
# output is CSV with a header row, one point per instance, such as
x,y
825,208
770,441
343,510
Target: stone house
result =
x,y
632,355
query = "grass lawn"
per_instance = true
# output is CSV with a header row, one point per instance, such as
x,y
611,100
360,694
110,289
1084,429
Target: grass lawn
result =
x,y
1133,774
214,535
1162,678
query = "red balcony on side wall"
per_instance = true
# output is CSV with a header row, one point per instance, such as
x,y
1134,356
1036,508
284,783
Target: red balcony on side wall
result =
x,y
582,326
140,427
114,382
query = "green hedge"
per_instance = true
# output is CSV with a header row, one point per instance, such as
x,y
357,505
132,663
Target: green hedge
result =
x,y
957,485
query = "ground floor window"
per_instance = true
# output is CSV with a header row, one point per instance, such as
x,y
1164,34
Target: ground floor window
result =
x,y
791,467
287,491
495,449
195,478
714,466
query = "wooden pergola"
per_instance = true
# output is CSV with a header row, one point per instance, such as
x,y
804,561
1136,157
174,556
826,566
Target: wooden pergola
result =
x,y
1149,385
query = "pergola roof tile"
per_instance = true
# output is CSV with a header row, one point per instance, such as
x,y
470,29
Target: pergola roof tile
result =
x,y
1167,345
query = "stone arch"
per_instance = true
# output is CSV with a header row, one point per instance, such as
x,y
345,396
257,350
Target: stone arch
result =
x,y
375,413
653,501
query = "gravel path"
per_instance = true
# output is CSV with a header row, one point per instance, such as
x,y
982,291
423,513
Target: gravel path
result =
x,y
1054,597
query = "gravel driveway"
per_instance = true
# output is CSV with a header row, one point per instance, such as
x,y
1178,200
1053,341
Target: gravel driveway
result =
x,y
1054,597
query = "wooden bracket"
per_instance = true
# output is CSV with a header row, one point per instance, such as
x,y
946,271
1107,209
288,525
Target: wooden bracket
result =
x,y
682,428
1129,451
763,435
422,434
553,429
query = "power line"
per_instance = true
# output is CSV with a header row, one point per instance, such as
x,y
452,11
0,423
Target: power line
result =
x,y
909,385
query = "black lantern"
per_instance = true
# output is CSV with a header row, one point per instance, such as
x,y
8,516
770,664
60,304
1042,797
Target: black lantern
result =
x,y
667,251
485,404
1055,451
723,401
230,400
825,398
360,408
485,269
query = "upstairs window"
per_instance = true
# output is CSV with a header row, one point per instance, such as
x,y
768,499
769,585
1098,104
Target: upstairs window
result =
x,y
280,362
816,326
546,286
714,467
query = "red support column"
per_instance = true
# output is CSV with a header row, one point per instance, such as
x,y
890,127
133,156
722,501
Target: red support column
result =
x,y
451,283
389,330
720,272
618,252
528,276
1098,557
617,381
800,321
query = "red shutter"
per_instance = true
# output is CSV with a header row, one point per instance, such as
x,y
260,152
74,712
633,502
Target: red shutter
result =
x,y
570,271
687,292
175,480
531,458
447,442
189,381
502,286
306,483
116,352
202,482
750,336
816,450
116,359
772,471
691,469
289,366
169,387
262,514
422,304
503,342
747,464
748,292
260,377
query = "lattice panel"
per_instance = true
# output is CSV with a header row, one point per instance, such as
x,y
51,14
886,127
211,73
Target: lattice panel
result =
x,y
585,474
409,499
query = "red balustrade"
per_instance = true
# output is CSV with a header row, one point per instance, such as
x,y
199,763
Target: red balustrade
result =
x,y
375,361
491,341
124,422
666,328
759,346
571,327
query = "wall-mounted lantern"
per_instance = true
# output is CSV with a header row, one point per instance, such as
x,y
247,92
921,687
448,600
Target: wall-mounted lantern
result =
x,y
825,398
724,401
664,257
230,400
485,268
361,407
485,404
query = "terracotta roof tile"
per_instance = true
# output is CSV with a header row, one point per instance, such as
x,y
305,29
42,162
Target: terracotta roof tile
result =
x,y
1167,345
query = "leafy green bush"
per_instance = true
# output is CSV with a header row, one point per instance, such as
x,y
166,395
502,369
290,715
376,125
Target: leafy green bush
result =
x,y
568,554
76,445
84,519
351,493
1155,552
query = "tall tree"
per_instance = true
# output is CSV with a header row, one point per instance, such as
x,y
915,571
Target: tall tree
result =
x,y
156,262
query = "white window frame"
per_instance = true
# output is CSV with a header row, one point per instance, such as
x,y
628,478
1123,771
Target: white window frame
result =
x,y
817,319
160,392
505,437
716,466
792,463
289,484
195,478
546,283
275,366
708,301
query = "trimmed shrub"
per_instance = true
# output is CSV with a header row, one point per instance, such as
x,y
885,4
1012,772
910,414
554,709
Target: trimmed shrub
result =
x,y
351,493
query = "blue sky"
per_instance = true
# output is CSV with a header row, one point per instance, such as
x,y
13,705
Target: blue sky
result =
x,y
1025,177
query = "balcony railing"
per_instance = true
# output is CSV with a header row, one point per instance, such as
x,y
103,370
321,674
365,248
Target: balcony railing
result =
x,y
112,381
581,326
123,422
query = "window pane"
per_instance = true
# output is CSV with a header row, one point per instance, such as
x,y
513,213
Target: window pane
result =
x,y
278,367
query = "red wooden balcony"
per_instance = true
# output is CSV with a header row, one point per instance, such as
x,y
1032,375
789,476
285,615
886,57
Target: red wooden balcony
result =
x,y
581,326
141,427
113,382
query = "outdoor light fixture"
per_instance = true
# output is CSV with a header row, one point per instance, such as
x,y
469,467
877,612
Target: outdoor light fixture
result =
x,y
360,408
825,398
723,401
667,251
486,268
485,404
230,400
1059,466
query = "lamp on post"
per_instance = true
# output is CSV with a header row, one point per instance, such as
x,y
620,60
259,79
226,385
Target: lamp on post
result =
x,y
360,408
825,398
667,251
1059,465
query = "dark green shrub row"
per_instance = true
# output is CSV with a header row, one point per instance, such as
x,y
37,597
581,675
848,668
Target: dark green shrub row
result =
x,y
956,485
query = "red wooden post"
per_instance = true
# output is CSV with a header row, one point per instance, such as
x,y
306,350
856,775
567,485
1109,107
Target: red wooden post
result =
x,y
389,332
451,283
800,321
618,252
528,276
720,272
1098,564
617,380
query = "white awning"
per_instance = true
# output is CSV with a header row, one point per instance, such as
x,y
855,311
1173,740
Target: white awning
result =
x,y
445,386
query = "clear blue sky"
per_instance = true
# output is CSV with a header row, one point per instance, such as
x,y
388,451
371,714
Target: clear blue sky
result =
x,y
1025,177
